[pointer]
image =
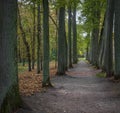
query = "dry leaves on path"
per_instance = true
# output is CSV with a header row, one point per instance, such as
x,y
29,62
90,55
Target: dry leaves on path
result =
x,y
30,82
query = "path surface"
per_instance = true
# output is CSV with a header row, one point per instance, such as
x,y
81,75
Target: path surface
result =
x,y
80,92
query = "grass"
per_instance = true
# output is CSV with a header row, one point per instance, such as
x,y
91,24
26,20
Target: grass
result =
x,y
101,75
22,68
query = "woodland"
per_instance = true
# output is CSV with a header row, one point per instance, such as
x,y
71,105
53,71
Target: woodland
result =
x,y
44,39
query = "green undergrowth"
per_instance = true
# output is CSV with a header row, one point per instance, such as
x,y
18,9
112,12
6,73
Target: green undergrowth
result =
x,y
22,68
101,75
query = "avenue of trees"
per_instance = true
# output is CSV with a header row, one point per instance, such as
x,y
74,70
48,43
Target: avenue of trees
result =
x,y
35,32
102,26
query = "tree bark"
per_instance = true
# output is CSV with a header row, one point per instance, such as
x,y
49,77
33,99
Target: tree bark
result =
x,y
74,36
33,39
69,36
9,90
25,41
38,37
108,57
95,35
117,39
61,42
46,77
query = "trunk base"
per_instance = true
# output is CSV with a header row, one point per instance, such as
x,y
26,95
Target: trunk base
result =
x,y
12,101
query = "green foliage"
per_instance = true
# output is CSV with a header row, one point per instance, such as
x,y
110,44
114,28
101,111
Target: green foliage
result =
x,y
89,9
82,41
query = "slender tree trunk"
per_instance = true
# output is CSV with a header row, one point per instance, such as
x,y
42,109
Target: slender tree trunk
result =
x,y
69,37
56,40
95,35
46,76
33,39
9,89
87,50
19,50
66,52
74,35
101,53
101,43
25,42
117,39
61,42
41,63
38,38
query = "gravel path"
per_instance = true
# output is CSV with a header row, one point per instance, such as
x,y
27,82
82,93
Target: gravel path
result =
x,y
79,92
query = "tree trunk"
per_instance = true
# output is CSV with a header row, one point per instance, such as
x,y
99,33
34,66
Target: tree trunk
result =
x,y
46,76
117,39
74,36
9,90
38,38
66,52
101,43
108,57
69,37
19,50
33,39
61,42
25,42
95,35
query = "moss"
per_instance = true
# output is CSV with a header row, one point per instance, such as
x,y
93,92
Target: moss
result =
x,y
12,101
101,75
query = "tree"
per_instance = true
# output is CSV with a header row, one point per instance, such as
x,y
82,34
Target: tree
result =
x,y
95,33
117,39
9,91
93,12
61,42
38,36
69,35
108,52
74,35
46,77
34,35
25,41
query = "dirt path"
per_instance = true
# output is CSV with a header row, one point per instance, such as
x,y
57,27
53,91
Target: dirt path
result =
x,y
80,92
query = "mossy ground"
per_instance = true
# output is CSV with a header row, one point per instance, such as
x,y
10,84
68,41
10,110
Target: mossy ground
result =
x,y
101,74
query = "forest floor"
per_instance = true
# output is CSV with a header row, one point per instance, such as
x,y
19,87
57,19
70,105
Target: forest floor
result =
x,y
80,91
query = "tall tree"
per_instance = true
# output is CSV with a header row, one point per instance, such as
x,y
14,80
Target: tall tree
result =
x,y
69,35
95,32
34,33
25,41
38,36
46,76
74,34
108,57
9,91
117,39
101,43
61,42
